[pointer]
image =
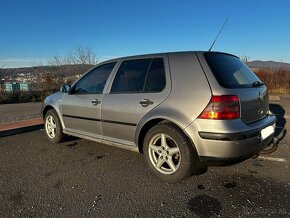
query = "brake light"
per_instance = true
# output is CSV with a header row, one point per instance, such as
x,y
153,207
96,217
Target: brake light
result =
x,y
224,107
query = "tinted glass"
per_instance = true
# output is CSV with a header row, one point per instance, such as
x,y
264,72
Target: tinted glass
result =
x,y
156,76
94,81
131,76
230,71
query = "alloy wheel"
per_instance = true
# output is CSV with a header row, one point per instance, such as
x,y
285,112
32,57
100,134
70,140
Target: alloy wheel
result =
x,y
164,154
50,126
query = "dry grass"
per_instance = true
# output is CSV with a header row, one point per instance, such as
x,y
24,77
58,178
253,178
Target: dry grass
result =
x,y
277,80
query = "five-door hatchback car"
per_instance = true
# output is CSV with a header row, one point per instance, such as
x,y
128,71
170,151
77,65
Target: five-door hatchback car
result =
x,y
182,110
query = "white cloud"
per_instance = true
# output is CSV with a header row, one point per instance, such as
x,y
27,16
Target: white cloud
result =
x,y
21,62
29,62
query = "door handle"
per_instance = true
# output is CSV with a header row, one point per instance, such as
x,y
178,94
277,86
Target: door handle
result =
x,y
145,102
95,102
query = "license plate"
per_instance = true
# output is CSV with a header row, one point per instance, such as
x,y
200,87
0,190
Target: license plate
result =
x,y
266,132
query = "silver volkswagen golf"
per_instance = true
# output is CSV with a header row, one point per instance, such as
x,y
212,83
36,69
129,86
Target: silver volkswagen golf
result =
x,y
183,111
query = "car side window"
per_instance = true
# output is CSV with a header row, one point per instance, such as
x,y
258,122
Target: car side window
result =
x,y
156,77
142,75
94,81
131,76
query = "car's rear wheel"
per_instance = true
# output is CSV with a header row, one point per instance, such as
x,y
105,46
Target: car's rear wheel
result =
x,y
53,127
169,153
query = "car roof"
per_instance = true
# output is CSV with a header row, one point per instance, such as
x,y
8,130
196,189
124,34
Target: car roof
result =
x,y
161,54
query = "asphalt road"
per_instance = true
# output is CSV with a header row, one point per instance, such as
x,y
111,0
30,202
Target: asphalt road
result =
x,y
22,111
80,178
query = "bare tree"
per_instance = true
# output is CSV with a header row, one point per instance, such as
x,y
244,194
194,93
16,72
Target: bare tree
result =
x,y
57,72
80,55
56,60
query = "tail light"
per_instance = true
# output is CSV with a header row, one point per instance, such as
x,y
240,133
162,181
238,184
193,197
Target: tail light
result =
x,y
224,107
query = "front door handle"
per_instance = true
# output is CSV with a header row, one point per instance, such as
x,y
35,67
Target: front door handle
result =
x,y
145,102
95,102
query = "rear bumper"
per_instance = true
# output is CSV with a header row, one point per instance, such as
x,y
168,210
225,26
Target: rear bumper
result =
x,y
230,136
225,143
225,161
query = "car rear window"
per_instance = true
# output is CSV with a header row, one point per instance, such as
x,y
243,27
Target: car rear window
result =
x,y
230,71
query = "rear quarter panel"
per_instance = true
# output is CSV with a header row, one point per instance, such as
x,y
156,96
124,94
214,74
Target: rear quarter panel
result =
x,y
190,92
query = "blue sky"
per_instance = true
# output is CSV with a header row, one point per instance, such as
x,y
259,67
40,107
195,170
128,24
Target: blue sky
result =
x,y
34,30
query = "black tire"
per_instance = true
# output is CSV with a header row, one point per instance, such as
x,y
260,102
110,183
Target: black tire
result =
x,y
54,135
186,161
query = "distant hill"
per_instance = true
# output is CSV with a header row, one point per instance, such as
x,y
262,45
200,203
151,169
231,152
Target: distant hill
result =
x,y
268,64
65,70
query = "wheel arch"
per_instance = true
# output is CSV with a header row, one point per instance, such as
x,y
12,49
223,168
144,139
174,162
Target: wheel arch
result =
x,y
142,130
49,107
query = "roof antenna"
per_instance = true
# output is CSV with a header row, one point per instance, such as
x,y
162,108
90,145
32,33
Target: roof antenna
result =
x,y
218,34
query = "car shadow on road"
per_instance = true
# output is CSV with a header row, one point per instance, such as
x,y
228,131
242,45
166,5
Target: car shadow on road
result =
x,y
71,141
279,111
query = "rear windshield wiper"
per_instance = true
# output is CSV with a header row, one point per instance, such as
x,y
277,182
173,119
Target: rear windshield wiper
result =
x,y
257,83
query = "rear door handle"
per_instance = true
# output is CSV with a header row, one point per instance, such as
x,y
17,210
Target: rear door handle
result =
x,y
145,102
95,102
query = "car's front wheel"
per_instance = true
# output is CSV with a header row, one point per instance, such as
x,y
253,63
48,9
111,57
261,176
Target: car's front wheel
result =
x,y
53,127
169,153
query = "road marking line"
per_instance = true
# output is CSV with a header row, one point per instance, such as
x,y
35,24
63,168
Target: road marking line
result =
x,y
272,159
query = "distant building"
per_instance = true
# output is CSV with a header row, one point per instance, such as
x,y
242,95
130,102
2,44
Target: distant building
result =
x,y
20,87
14,87
8,87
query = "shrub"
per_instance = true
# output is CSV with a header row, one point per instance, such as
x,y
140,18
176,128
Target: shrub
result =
x,y
277,80
22,97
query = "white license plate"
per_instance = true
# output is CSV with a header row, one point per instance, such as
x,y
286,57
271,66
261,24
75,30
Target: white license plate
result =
x,y
265,133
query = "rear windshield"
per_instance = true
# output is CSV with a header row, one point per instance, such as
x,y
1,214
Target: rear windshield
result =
x,y
230,71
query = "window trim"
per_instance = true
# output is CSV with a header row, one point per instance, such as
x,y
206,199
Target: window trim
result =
x,y
146,77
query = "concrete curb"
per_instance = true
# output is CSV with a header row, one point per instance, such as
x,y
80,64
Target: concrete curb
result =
x,y
22,126
19,130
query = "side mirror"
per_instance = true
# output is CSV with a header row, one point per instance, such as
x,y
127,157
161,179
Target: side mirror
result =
x,y
65,88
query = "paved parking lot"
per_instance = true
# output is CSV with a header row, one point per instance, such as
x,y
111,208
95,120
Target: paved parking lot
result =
x,y
15,112
83,178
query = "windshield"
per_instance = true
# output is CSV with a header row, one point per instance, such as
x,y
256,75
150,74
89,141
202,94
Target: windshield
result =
x,y
230,71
